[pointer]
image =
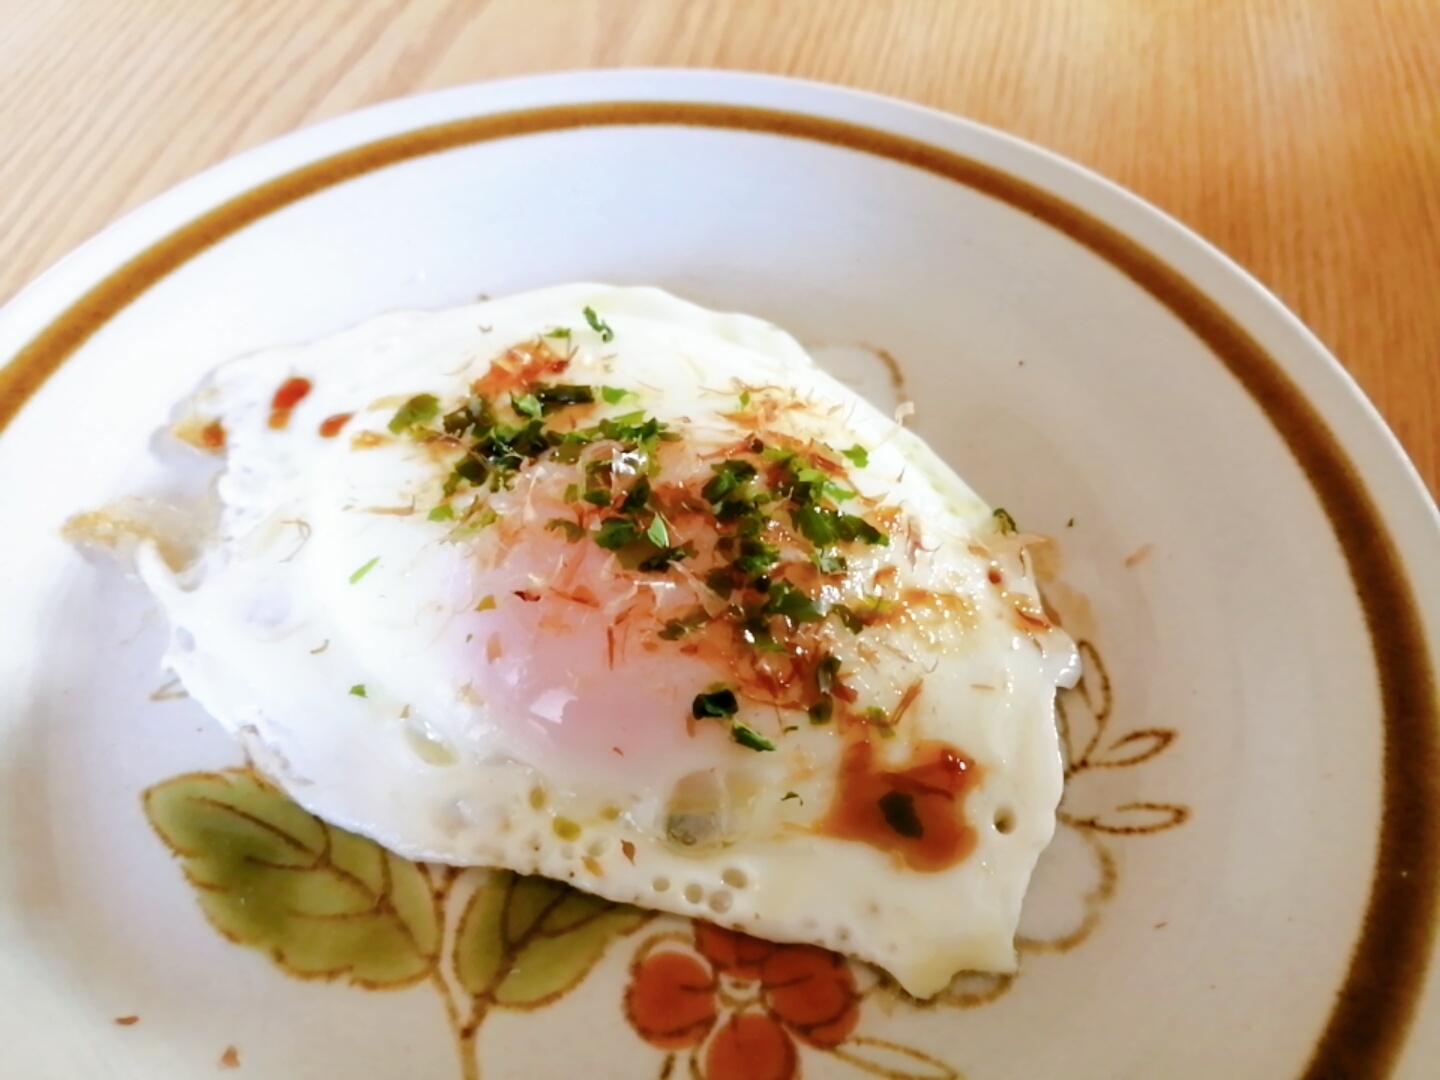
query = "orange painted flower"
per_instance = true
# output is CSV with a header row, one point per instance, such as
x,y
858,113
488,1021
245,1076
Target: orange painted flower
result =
x,y
671,1000
740,1003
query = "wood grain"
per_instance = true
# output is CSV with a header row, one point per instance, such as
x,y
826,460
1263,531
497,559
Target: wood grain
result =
x,y
1301,136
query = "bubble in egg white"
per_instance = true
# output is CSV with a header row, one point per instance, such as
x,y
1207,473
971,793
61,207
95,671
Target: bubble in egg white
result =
x,y
429,746
565,829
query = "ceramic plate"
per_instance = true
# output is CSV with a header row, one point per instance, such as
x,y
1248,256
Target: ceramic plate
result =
x,y
1244,878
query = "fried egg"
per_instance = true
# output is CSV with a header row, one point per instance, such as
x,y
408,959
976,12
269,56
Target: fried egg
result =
x,y
594,583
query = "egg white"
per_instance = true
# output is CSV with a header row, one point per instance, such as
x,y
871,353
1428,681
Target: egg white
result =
x,y
333,628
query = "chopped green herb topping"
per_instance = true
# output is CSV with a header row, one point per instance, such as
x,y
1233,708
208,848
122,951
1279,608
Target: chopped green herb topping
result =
x,y
560,395
720,582
1005,522
500,450
471,469
474,522
791,603
772,508
487,603
880,720
637,498
475,413
359,690
728,476
900,814
825,673
418,410
848,618
599,325
614,533
755,631
756,556
675,629
661,560
358,574
719,704
792,795
823,527
557,332
749,738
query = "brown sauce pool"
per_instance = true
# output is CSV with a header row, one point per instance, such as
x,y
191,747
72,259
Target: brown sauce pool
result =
x,y
916,811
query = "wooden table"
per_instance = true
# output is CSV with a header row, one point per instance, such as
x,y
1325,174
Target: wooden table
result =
x,y
1301,136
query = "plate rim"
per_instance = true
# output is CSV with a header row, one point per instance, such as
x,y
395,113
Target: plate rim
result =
x,y
1367,1030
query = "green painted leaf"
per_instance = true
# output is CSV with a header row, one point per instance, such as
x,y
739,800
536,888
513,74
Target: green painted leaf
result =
x,y
531,899
551,966
319,901
524,941
480,937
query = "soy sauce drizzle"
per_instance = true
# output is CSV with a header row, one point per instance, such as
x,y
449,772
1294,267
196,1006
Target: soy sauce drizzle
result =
x,y
292,391
916,810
